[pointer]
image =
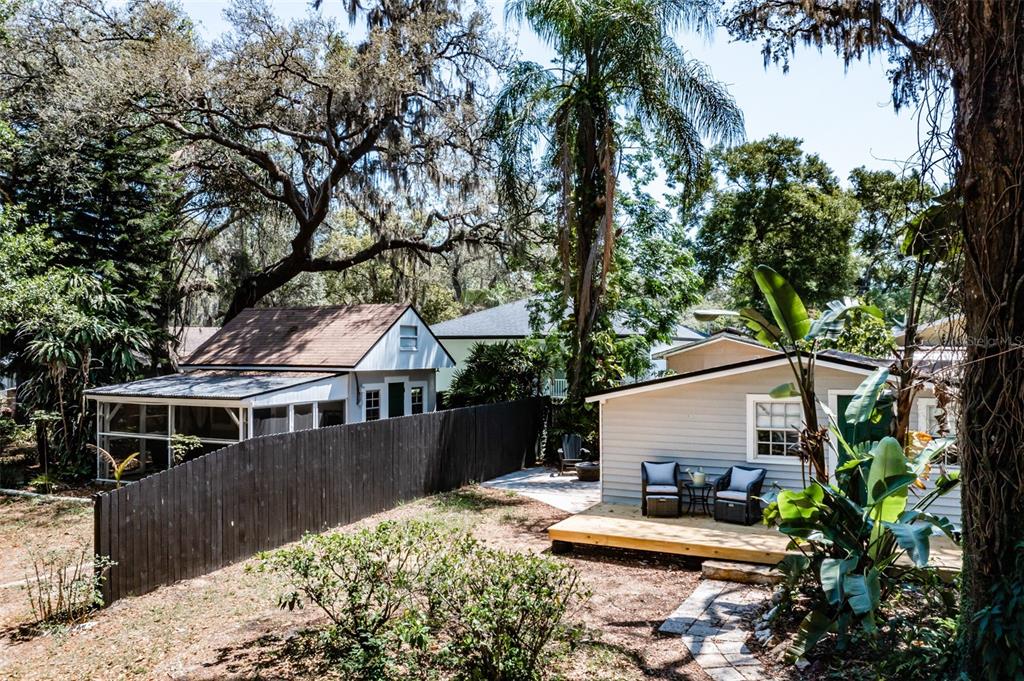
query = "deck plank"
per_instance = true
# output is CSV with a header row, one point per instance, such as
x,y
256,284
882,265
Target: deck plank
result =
x,y
622,526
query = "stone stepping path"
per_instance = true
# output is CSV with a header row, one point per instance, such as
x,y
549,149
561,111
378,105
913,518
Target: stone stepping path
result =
x,y
710,623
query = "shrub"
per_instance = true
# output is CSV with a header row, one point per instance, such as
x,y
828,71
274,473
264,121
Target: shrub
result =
x,y
499,372
415,599
8,427
367,583
65,585
502,611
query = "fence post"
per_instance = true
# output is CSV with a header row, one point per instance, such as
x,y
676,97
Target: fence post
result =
x,y
100,543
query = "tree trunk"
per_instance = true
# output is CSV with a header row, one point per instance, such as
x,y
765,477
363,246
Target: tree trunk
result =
x,y
988,67
253,288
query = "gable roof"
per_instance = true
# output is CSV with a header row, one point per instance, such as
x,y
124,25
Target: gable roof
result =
x,y
726,336
297,337
512,320
192,338
947,331
841,361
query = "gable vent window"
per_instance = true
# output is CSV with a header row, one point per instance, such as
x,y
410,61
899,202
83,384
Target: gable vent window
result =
x,y
408,337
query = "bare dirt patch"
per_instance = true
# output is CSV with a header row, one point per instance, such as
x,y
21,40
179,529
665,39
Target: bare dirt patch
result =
x,y
226,625
30,528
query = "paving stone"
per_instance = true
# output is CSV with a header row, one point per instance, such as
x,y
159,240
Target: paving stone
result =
x,y
697,644
732,647
725,674
703,629
709,661
712,624
741,659
753,673
740,572
676,625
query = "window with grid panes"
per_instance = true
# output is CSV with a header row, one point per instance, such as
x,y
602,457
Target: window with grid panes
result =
x,y
776,428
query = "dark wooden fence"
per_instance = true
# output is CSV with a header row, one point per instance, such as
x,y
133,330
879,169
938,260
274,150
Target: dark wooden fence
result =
x,y
265,492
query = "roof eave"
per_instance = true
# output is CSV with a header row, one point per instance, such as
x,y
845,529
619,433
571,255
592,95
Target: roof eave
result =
x,y
725,369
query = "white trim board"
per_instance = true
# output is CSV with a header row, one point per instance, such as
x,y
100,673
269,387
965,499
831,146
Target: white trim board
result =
x,y
706,342
720,372
752,399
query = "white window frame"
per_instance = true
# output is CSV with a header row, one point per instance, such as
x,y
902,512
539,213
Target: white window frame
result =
x,y
415,337
382,390
752,457
409,385
291,415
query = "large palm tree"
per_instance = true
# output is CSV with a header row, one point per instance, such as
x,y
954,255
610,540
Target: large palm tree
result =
x,y
618,71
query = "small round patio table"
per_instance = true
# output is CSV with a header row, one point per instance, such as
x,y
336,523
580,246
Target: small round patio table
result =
x,y
700,495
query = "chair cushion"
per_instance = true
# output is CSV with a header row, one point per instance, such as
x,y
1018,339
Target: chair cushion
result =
x,y
662,489
732,495
741,477
660,473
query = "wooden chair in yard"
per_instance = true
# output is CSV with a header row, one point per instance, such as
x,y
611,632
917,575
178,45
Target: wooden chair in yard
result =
x,y
571,452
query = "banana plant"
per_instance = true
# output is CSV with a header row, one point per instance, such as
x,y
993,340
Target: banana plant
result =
x,y
795,333
852,534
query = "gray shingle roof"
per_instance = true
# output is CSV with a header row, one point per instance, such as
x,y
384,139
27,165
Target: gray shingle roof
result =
x,y
210,385
512,320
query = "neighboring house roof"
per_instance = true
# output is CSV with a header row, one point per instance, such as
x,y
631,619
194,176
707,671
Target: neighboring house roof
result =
x,y
721,336
841,361
211,385
192,337
942,331
512,320
297,337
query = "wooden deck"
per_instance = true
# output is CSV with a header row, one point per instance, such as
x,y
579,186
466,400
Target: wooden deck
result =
x,y
623,527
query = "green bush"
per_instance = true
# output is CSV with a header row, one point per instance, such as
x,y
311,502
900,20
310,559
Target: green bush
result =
x,y
501,611
413,600
500,372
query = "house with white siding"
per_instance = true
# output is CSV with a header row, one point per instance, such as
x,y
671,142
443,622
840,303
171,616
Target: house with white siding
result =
x,y
510,322
269,371
716,414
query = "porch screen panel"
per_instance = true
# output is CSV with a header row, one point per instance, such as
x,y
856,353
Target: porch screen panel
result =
x,y
270,420
331,413
206,423
302,415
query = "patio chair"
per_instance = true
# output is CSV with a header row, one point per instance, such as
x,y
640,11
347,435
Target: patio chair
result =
x,y
736,495
660,480
571,452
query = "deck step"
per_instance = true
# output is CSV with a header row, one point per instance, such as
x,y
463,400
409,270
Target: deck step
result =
x,y
744,573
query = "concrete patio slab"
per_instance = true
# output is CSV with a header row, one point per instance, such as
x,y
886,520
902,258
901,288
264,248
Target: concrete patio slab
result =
x,y
564,492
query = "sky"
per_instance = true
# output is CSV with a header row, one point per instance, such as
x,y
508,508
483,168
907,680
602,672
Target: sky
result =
x,y
846,117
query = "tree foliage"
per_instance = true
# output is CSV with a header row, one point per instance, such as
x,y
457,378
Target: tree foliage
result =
x,y
500,372
781,207
960,57
70,330
303,119
619,78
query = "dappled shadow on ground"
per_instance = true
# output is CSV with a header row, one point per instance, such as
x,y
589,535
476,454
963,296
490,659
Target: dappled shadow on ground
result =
x,y
614,556
473,499
294,654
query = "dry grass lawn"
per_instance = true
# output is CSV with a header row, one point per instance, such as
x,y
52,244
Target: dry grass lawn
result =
x,y
226,625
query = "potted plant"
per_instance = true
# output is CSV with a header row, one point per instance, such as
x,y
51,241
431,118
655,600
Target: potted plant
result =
x,y
588,471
